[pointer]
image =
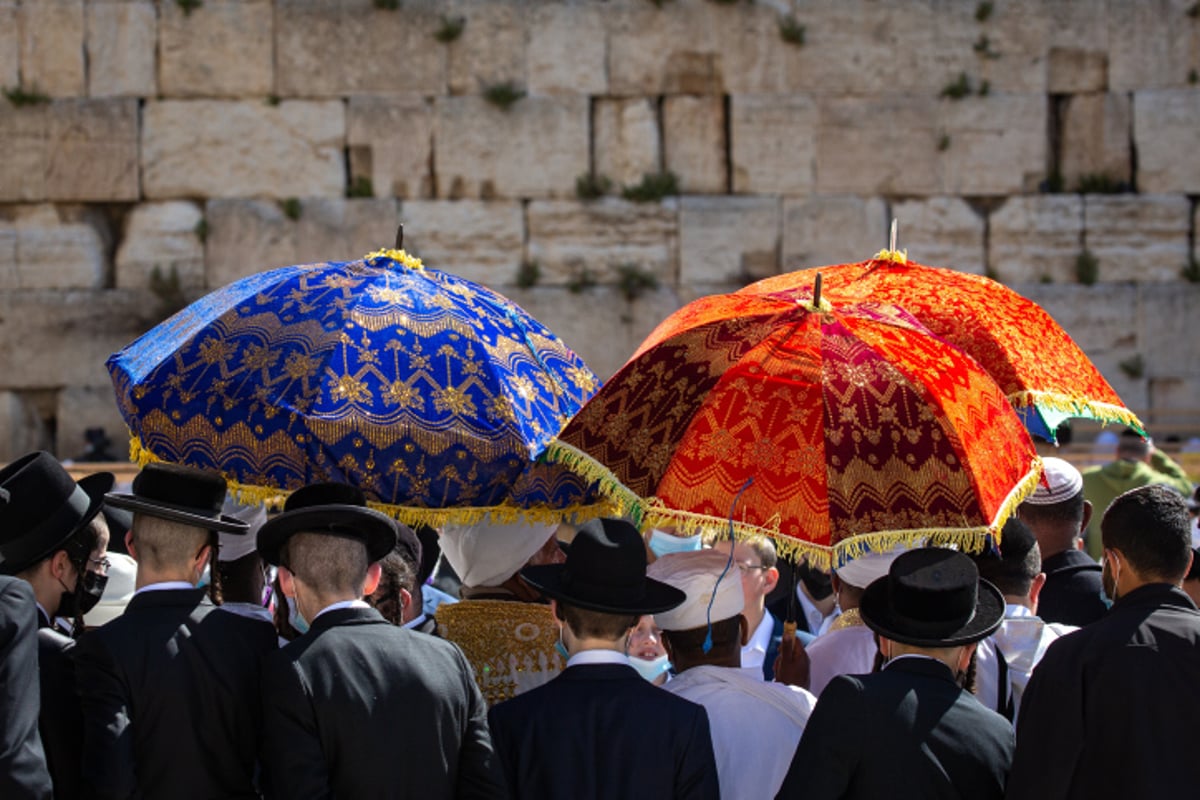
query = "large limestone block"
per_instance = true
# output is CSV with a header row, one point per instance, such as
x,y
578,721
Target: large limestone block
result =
x,y
1008,50
391,142
1173,399
162,237
694,142
10,44
42,248
1095,138
214,148
480,241
22,428
92,150
626,139
567,51
1167,333
941,232
833,229
250,236
82,407
996,144
490,49
332,48
1076,70
1166,130
23,134
571,241
1138,237
653,51
52,47
121,43
1151,44
537,148
775,143
1036,238
876,145
75,331
728,239
220,49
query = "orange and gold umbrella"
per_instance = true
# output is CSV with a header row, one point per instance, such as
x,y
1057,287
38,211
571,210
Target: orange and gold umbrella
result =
x,y
1044,374
836,430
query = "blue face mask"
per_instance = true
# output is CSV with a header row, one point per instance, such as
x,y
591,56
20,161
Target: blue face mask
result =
x,y
662,543
295,618
205,577
650,669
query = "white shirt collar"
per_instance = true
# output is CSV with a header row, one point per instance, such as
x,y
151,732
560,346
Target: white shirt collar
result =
x,y
342,604
165,586
415,621
812,614
42,609
754,653
598,657
1016,610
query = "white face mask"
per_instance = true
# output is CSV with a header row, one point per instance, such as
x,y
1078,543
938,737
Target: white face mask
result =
x,y
662,543
652,668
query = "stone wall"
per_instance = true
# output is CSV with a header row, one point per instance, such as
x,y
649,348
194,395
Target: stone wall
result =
x,y
152,151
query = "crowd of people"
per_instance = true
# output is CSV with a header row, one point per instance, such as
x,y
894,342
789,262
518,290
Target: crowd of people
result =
x,y
168,643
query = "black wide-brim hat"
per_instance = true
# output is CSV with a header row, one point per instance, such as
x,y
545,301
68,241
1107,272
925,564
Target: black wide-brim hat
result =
x,y
180,494
605,571
45,508
331,509
932,597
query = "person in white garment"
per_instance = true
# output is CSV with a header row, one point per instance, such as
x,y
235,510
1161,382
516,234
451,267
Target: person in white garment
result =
x,y
755,724
1005,660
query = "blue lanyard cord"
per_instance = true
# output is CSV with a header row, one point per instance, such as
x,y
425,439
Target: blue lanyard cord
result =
x,y
708,643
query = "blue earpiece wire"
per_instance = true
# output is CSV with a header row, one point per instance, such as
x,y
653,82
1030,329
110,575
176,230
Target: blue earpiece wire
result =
x,y
708,643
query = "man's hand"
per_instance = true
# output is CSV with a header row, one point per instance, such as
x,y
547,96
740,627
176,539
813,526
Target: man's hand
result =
x,y
791,665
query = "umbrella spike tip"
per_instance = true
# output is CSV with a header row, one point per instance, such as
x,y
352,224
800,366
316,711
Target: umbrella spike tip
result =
x,y
400,236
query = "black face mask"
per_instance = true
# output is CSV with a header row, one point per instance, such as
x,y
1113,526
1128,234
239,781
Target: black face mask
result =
x,y
818,584
87,594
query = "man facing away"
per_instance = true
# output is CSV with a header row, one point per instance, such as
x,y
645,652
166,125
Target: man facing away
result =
x,y
599,730
338,699
1110,710
23,774
755,724
169,687
1058,514
911,730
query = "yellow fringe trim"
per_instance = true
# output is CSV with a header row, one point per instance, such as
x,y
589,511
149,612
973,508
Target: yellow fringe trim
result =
x,y
624,501
399,256
1078,407
897,256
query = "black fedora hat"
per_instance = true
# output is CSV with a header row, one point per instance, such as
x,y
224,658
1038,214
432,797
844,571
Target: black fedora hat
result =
x,y
932,597
179,494
333,509
45,508
605,571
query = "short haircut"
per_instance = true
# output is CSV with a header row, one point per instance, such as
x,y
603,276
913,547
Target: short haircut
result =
x,y
762,546
241,579
1067,511
330,565
166,544
587,624
726,634
1151,527
1020,561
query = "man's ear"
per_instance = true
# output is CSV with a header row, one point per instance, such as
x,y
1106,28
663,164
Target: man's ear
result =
x,y
1087,515
964,656
374,574
1035,589
287,582
129,546
60,564
770,580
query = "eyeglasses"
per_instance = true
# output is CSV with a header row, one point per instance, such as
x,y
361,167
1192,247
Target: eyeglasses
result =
x,y
102,564
747,567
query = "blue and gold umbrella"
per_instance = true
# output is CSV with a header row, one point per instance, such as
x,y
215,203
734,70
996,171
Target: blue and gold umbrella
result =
x,y
433,394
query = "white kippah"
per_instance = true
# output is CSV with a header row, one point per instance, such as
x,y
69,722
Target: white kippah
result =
x,y
489,553
862,571
238,545
696,574
1064,482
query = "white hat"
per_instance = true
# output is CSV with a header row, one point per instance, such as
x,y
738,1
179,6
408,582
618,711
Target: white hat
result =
x,y
489,553
1064,483
860,572
122,578
235,545
696,574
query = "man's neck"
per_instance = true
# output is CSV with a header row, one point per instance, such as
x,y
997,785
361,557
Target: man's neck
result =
x,y
754,616
146,578
685,661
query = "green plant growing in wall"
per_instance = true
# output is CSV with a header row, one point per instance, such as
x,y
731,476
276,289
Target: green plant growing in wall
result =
x,y
19,96
1134,367
1191,271
503,95
958,88
983,47
189,6
387,5
582,281
791,31
169,291
985,88
634,281
1053,184
528,274
450,29
201,230
589,186
273,100
1087,267
983,11
943,143
361,186
291,208
1193,76
1099,183
654,187
1194,11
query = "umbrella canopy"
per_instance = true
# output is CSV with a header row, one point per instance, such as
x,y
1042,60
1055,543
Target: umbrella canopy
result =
x,y
433,394
1041,370
834,431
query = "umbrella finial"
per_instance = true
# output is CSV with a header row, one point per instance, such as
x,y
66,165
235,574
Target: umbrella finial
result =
x,y
400,236
818,304
817,291
891,239
891,253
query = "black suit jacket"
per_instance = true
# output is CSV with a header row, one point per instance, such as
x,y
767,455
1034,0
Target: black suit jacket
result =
x,y
359,708
602,731
1071,594
170,699
23,773
1111,709
60,721
906,732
